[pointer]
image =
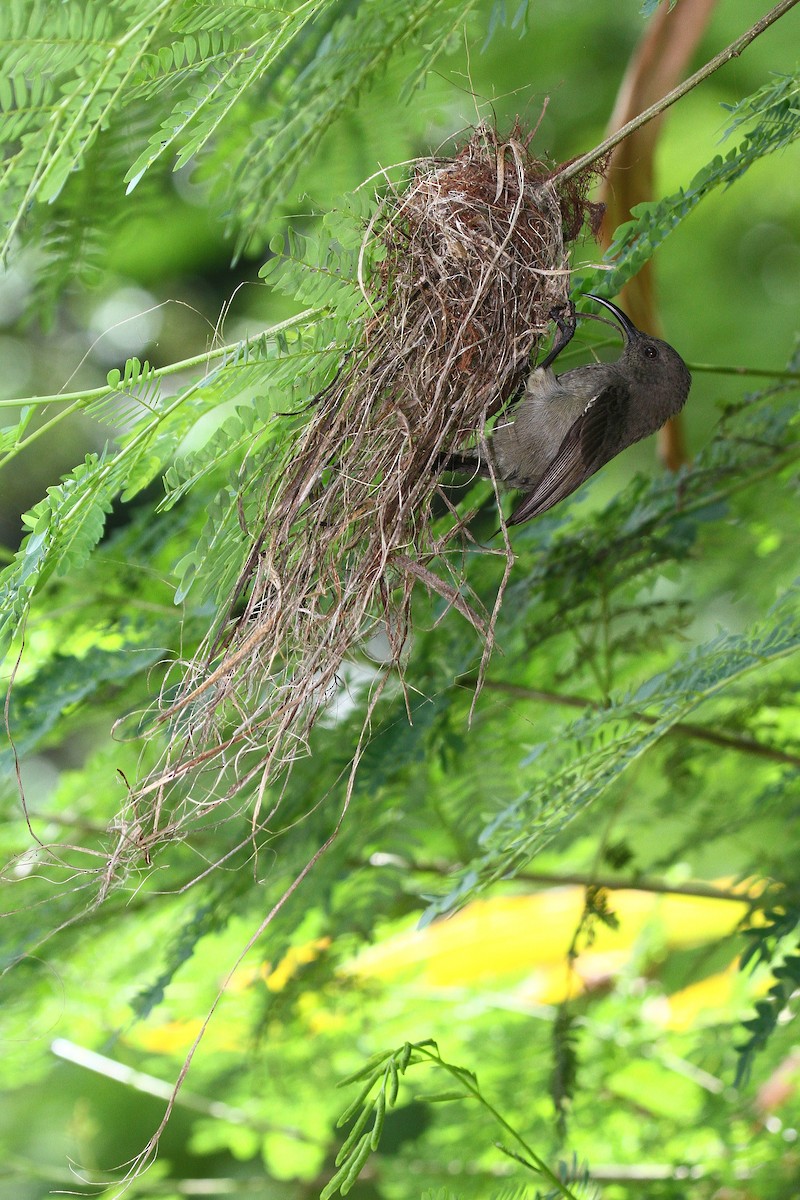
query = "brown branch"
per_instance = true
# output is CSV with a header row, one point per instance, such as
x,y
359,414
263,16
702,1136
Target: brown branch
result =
x,y
727,741
706,891
765,373
612,883
573,168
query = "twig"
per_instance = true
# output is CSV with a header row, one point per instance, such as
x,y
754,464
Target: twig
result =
x,y
765,373
573,168
728,741
175,368
612,883
662,887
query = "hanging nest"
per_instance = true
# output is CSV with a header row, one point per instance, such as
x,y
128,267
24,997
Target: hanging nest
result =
x,y
475,260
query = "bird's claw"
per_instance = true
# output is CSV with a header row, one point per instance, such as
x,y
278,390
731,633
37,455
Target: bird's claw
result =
x,y
565,319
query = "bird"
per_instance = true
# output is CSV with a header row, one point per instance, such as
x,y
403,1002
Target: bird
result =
x,y
566,427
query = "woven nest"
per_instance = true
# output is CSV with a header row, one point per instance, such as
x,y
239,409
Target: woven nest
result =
x,y
475,260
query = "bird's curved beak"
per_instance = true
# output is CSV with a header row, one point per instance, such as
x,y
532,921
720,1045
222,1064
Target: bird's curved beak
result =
x,y
628,327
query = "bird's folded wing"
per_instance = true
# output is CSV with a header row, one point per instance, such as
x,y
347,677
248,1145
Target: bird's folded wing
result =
x,y
596,436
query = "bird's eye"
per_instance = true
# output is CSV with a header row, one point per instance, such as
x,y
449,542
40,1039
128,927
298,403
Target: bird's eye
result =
x,y
650,351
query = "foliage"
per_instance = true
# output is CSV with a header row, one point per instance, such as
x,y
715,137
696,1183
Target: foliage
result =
x,y
765,946
769,117
386,1070
634,736
206,67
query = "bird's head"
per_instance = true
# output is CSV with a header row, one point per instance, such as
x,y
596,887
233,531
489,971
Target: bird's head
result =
x,y
647,361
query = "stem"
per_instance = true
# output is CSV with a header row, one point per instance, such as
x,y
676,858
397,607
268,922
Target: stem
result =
x,y
711,369
467,1083
185,364
77,401
728,741
659,887
577,165
611,883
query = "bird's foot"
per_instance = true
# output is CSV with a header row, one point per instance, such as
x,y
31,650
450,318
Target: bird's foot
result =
x,y
565,319
453,460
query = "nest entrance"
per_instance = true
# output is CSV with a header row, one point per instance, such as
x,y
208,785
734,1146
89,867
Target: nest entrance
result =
x,y
476,257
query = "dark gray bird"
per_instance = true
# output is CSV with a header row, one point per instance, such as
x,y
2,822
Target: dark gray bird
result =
x,y
566,427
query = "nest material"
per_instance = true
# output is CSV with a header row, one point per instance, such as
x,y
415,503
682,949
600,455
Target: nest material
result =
x,y
475,260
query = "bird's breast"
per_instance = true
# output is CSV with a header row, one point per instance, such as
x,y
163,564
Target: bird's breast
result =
x,y
526,440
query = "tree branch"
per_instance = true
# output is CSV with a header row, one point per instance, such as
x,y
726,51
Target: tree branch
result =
x,y
577,165
728,741
611,883
765,373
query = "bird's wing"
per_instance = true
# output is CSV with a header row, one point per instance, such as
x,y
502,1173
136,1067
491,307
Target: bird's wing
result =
x,y
590,443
